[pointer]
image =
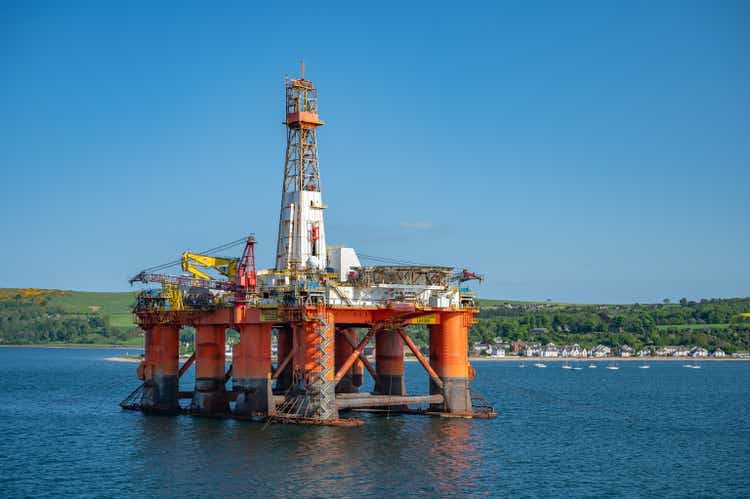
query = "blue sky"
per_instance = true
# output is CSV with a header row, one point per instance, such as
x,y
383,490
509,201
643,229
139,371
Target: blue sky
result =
x,y
591,152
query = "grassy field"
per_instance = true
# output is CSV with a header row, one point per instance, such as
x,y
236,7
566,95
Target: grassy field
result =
x,y
116,306
693,326
487,303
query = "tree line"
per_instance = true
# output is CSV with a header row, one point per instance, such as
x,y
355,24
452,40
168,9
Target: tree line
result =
x,y
709,323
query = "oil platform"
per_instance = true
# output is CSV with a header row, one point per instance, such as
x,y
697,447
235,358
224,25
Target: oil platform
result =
x,y
323,307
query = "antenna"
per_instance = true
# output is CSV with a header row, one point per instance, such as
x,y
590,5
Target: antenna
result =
x,y
302,64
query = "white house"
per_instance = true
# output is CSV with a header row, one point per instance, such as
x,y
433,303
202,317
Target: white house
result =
x,y
699,352
601,351
497,351
626,351
532,350
665,351
574,350
550,350
480,348
681,352
718,353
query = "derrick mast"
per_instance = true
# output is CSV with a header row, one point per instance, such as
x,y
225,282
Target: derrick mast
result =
x,y
301,241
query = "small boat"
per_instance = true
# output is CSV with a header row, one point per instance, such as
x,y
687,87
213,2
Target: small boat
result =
x,y
644,366
577,367
593,366
613,367
692,366
521,366
567,366
539,364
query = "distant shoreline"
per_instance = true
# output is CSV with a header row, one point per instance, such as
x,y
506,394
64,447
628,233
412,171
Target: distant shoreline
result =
x,y
75,345
537,359
605,359
511,358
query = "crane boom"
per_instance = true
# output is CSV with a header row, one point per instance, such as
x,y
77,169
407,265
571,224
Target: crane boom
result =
x,y
466,275
188,281
241,271
224,266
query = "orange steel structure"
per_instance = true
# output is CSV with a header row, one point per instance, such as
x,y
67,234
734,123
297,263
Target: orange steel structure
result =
x,y
322,317
301,361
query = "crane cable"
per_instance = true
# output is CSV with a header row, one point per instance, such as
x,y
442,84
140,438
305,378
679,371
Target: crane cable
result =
x,y
396,261
232,244
173,263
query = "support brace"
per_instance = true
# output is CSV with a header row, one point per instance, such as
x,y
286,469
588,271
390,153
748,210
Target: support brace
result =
x,y
354,355
364,360
427,367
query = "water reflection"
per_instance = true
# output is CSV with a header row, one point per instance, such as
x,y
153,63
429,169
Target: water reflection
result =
x,y
427,455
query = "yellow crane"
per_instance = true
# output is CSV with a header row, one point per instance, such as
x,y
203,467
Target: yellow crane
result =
x,y
224,266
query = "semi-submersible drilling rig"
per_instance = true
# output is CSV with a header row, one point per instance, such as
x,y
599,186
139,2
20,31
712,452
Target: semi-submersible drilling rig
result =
x,y
323,306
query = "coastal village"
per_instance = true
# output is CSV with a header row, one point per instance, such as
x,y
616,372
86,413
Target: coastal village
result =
x,y
500,349
522,349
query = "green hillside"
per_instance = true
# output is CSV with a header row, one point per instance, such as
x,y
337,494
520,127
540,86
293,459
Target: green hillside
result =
x,y
47,316
708,323
116,306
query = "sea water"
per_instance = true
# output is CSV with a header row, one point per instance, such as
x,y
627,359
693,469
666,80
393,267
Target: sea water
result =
x,y
665,431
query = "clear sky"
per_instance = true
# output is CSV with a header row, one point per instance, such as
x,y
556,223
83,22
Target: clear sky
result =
x,y
591,152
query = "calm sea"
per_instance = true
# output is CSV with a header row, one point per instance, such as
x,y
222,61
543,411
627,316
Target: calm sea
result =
x,y
665,431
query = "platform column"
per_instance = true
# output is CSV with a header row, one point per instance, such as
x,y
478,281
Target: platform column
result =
x,y
284,346
160,368
449,357
251,371
389,363
344,339
313,371
324,387
209,397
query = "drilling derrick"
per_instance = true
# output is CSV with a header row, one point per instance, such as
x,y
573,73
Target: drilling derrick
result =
x,y
301,244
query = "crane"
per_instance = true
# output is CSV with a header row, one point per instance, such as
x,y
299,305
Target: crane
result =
x,y
240,272
466,275
224,266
